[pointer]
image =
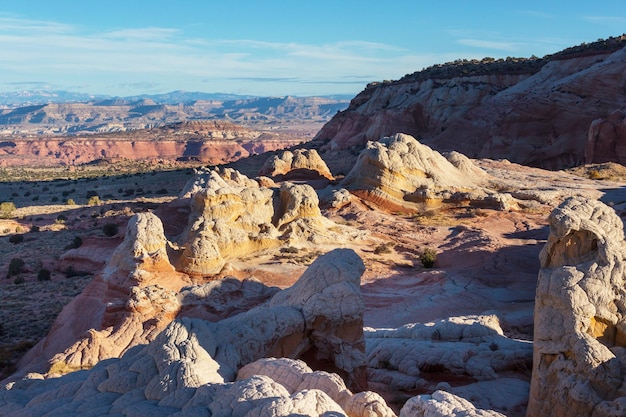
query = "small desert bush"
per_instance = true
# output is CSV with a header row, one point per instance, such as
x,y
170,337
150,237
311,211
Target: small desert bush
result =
x,y
383,248
94,201
76,243
19,280
16,267
594,174
15,239
110,229
43,275
70,202
6,209
428,257
289,249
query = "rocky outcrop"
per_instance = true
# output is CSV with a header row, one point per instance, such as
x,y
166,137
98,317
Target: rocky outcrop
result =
x,y
143,287
606,139
425,357
398,172
580,315
194,366
538,117
132,300
232,215
443,404
299,164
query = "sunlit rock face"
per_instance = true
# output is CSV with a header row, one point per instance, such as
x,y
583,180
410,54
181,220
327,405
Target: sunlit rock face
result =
x,y
233,216
301,163
398,173
580,314
536,116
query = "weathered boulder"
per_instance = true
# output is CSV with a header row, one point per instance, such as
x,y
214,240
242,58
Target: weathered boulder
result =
x,y
419,357
580,314
300,164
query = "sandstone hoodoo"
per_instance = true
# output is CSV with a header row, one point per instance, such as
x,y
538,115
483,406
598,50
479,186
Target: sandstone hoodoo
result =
x,y
232,216
534,112
399,173
299,164
580,319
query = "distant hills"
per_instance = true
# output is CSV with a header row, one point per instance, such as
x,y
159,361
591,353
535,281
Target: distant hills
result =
x,y
36,97
63,113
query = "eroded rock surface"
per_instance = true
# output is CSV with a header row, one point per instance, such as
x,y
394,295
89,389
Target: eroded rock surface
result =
x,y
192,367
232,216
301,163
580,315
534,114
606,139
397,172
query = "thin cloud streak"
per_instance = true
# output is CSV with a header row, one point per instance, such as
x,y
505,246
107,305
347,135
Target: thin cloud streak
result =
x,y
157,55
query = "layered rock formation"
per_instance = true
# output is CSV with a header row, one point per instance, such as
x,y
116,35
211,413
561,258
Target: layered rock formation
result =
x,y
232,215
397,172
194,366
145,284
208,141
534,113
299,164
606,139
580,315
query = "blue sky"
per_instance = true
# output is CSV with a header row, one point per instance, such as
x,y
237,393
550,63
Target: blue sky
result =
x,y
274,47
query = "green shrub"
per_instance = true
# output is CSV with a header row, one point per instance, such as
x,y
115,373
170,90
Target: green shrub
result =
x,y
19,280
6,209
94,201
110,229
15,239
43,275
383,248
70,202
428,257
16,267
76,243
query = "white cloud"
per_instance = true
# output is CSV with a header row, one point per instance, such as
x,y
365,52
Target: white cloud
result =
x,y
150,57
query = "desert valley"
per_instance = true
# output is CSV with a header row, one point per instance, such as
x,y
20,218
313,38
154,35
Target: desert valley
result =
x,y
447,244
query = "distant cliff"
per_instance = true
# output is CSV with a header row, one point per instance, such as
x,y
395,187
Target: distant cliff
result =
x,y
211,142
533,111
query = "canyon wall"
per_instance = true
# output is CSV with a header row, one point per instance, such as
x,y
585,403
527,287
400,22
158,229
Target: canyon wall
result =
x,y
535,114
